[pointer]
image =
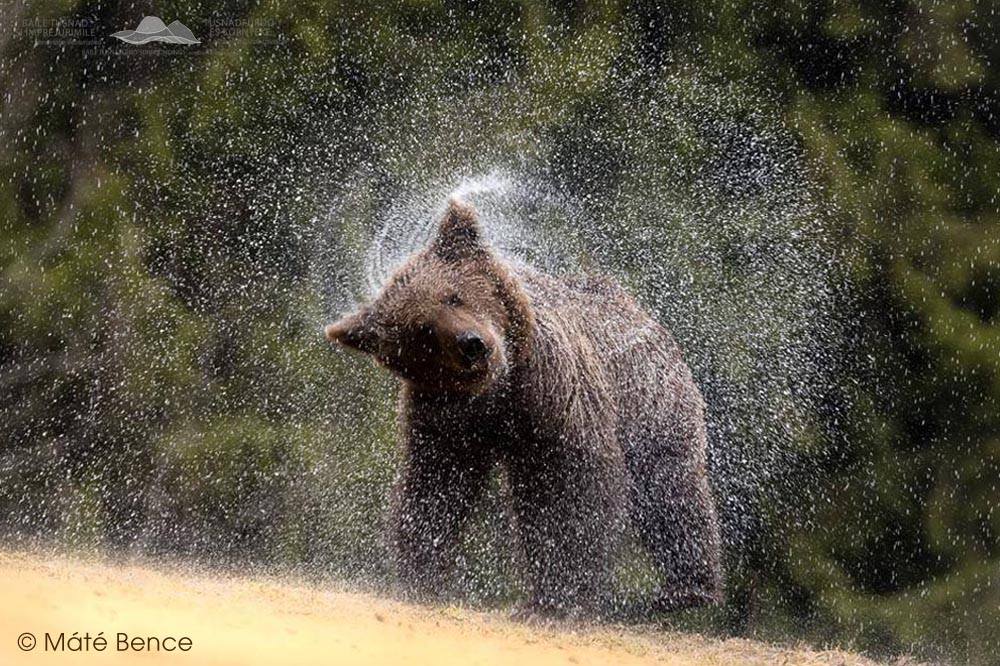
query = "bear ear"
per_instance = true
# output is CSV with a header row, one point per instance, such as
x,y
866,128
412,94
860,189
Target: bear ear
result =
x,y
354,331
458,234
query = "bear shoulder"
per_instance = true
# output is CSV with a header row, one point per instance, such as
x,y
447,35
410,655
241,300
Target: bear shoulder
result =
x,y
572,286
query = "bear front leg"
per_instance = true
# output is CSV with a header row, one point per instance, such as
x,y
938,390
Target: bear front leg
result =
x,y
436,490
568,504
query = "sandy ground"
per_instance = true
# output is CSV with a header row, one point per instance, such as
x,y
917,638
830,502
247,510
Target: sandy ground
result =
x,y
247,621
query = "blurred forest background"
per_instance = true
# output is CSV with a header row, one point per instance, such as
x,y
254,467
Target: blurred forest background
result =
x,y
163,385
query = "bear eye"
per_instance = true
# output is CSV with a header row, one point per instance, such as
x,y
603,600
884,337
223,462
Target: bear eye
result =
x,y
454,300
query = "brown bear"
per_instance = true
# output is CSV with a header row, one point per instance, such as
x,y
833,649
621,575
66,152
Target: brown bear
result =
x,y
580,396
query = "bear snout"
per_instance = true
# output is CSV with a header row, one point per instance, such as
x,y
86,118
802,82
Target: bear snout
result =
x,y
472,347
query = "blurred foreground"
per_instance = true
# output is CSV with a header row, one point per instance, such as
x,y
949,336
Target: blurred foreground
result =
x,y
264,621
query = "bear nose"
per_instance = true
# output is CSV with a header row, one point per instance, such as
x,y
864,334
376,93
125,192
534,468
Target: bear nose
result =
x,y
471,346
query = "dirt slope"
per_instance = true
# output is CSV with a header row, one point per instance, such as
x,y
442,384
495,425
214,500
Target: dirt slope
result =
x,y
249,621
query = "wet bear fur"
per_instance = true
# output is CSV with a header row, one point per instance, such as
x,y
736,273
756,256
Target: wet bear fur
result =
x,y
582,399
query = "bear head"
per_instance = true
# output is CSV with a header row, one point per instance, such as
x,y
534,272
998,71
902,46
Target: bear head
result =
x,y
451,319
